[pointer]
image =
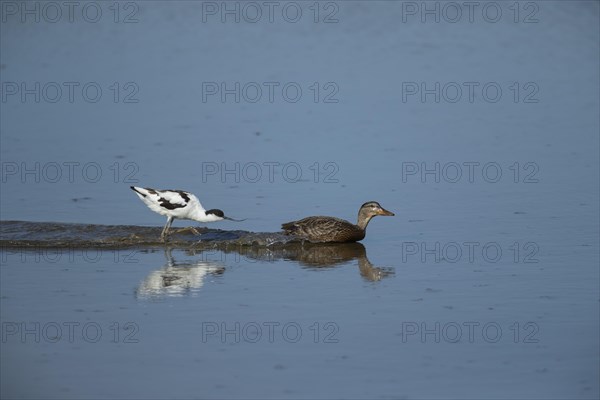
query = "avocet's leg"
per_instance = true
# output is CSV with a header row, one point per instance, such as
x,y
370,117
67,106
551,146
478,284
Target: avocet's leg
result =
x,y
163,235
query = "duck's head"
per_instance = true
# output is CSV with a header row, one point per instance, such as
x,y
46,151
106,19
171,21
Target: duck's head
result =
x,y
369,210
373,208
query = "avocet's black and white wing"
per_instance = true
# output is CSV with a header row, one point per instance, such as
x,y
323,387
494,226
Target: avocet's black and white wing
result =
x,y
174,203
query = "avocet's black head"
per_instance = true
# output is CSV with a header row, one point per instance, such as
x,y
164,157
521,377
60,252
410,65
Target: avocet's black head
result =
x,y
219,215
216,212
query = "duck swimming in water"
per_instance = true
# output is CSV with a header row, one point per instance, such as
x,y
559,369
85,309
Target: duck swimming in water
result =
x,y
330,229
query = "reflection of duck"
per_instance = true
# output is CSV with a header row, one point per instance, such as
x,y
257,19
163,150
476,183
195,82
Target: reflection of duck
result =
x,y
330,229
322,255
178,278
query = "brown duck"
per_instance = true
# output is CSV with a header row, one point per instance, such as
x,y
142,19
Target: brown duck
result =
x,y
330,229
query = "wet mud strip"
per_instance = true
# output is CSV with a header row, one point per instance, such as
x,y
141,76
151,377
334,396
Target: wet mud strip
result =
x,y
265,246
24,234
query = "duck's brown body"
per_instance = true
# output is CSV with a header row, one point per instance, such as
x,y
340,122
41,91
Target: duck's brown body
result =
x,y
324,229
331,229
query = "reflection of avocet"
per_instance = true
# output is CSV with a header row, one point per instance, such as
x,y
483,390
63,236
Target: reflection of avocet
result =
x,y
178,278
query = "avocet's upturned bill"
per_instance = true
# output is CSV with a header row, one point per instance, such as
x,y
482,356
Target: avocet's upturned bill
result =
x,y
177,204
